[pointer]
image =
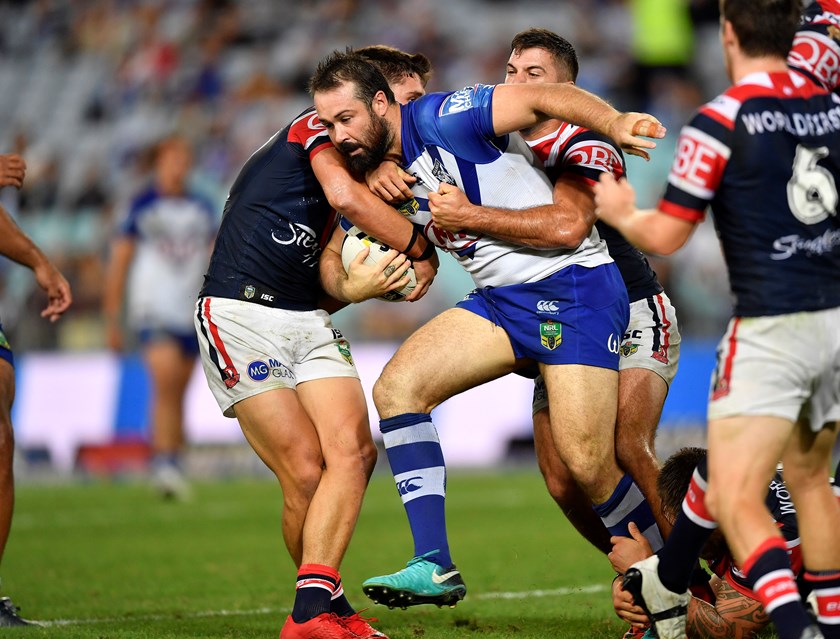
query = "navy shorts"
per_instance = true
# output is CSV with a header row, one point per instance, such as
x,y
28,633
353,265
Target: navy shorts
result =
x,y
186,340
575,316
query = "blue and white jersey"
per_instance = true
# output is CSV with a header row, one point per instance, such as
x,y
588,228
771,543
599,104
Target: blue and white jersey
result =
x,y
172,236
449,137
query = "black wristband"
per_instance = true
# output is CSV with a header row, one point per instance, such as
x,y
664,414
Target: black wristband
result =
x,y
415,233
427,252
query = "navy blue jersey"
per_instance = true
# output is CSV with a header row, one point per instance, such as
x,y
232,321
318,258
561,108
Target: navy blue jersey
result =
x,y
584,154
816,47
276,221
765,154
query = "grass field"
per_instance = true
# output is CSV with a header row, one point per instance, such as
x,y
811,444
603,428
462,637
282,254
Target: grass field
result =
x,y
111,561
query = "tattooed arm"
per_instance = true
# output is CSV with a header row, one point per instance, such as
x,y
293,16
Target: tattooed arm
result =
x,y
734,615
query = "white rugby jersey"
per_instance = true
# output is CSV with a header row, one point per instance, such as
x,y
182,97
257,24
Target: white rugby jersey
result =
x,y
172,248
449,137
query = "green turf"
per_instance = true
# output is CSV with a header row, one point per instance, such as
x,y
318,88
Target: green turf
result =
x,y
114,562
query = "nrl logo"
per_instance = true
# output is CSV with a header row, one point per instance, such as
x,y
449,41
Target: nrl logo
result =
x,y
249,292
439,171
551,335
628,348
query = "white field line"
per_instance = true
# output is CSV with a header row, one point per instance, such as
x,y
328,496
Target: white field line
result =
x,y
526,594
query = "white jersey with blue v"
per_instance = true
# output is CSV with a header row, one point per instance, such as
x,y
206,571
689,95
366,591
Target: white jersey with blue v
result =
x,y
449,137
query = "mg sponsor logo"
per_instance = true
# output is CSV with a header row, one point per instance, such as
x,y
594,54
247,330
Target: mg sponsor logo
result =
x,y
548,306
258,370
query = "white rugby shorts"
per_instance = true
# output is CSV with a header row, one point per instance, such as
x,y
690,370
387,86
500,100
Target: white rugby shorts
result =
x,y
651,341
248,349
782,366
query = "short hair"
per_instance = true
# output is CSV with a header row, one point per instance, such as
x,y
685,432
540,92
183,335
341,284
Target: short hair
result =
x,y
395,64
763,27
675,477
561,49
348,66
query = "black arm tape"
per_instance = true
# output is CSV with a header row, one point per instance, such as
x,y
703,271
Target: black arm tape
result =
x,y
415,233
427,252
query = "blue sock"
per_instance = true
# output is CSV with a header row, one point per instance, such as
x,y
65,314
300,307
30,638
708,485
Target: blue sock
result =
x,y
626,504
419,470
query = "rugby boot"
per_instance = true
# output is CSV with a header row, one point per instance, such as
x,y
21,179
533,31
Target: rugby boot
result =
x,y
812,632
666,609
420,582
9,616
325,626
361,627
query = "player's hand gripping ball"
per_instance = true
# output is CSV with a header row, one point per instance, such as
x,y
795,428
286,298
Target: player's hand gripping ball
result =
x,y
355,241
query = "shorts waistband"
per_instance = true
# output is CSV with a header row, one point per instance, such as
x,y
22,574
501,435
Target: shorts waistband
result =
x,y
265,296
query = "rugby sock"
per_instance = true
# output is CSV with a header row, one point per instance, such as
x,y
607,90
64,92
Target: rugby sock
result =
x,y
627,504
693,527
419,470
339,604
771,578
313,591
826,587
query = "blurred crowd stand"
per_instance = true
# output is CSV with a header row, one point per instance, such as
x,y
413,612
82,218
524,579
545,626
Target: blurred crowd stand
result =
x,y
87,87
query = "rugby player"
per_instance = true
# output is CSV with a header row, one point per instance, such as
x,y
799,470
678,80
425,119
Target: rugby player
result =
x,y
764,154
275,362
461,139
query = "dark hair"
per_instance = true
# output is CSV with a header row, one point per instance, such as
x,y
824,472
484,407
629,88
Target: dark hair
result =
x,y
560,48
675,476
763,27
395,64
338,68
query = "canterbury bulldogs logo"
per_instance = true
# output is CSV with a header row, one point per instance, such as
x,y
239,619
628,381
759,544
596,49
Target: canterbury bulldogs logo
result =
x,y
439,171
548,306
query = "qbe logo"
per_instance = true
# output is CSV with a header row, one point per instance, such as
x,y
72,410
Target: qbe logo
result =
x,y
258,370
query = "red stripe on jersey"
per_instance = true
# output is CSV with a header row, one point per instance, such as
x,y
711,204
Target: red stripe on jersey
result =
x,y
717,116
723,382
325,145
308,131
682,212
217,341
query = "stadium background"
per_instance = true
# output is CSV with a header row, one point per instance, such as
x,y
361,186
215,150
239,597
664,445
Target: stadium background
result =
x,y
87,87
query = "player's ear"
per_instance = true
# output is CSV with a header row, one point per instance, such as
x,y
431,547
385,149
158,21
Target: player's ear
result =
x,y
379,104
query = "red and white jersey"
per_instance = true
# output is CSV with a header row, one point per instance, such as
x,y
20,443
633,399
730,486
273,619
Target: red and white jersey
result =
x,y
571,150
816,46
765,155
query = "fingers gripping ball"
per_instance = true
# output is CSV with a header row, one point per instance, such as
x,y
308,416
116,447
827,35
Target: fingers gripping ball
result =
x,y
355,241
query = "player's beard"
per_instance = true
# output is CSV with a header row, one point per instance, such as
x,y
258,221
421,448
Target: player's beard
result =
x,y
376,141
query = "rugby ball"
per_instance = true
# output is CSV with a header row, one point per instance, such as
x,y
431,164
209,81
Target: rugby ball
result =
x,y
355,241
